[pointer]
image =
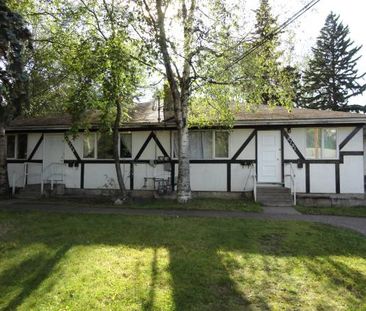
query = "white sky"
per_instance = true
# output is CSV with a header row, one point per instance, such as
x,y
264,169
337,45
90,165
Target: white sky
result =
x,y
307,27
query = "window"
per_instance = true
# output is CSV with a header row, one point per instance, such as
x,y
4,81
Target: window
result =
x,y
200,145
22,145
221,144
105,146
125,145
10,143
321,143
17,146
204,145
89,146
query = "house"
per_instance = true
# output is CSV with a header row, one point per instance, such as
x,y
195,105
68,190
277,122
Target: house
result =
x,y
309,151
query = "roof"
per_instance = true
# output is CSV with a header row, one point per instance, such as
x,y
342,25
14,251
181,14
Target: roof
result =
x,y
147,114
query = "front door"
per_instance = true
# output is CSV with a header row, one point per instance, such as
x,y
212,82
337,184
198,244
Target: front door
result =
x,y
269,156
53,158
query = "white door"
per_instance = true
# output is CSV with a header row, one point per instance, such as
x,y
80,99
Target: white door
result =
x,y
53,158
269,156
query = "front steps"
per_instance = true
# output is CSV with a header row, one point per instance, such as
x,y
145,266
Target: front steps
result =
x,y
34,191
274,195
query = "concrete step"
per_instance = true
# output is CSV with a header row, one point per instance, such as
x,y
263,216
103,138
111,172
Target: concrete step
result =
x,y
271,190
278,204
274,196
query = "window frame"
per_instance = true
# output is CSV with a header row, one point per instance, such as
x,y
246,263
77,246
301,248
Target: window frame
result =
x,y
213,156
119,145
95,146
322,144
95,135
214,144
17,149
15,146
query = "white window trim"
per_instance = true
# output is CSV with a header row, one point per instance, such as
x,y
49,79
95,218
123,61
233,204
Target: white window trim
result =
x,y
214,144
95,146
322,144
119,145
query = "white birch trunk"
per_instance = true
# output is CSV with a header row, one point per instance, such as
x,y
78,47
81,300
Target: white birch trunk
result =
x,y
183,185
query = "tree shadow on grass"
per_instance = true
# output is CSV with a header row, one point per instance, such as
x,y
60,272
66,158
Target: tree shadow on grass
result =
x,y
33,278
200,278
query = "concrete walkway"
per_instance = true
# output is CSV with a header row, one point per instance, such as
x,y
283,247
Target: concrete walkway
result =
x,y
355,223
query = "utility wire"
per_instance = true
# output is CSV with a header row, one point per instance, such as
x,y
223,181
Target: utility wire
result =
x,y
274,32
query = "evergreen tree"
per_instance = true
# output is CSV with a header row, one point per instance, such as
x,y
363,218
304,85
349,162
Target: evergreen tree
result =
x,y
274,84
14,40
332,77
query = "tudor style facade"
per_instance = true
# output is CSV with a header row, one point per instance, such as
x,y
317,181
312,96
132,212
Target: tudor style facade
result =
x,y
323,149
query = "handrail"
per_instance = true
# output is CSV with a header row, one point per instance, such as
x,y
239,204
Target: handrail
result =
x,y
292,176
50,176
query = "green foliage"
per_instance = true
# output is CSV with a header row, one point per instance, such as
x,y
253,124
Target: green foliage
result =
x,y
332,77
14,41
269,82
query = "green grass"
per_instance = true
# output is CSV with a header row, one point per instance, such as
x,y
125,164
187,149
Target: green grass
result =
x,y
195,204
356,211
109,262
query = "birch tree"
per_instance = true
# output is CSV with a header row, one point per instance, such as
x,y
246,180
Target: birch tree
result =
x,y
187,51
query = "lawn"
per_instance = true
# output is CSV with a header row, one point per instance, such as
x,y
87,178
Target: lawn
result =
x,y
356,211
103,262
194,204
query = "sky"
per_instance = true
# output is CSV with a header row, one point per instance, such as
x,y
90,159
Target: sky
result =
x,y
307,27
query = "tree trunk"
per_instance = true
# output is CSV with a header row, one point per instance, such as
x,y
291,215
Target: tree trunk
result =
x,y
121,184
4,183
184,185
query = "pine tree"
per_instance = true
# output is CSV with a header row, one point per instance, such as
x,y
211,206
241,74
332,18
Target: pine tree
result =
x,y
332,77
14,40
273,83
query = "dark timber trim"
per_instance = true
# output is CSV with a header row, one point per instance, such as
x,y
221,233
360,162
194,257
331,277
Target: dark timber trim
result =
x,y
132,172
350,136
256,155
72,148
244,145
162,149
158,143
23,161
82,175
307,177
35,148
172,175
161,127
293,145
143,147
282,157
111,161
228,177
337,179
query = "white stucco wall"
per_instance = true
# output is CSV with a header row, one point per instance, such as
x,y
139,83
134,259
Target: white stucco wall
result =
x,y
299,177
103,176
204,176
351,176
16,171
241,178
208,177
